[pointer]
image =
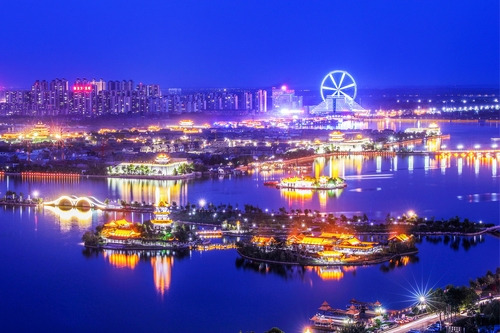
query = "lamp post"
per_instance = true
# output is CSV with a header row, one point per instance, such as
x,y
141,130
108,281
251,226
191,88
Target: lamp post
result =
x,y
422,303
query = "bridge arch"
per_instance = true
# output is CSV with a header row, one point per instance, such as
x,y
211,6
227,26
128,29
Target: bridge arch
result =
x,y
83,202
78,202
64,201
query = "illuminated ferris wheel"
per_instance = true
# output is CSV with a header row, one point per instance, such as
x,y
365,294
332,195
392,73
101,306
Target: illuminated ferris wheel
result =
x,y
338,84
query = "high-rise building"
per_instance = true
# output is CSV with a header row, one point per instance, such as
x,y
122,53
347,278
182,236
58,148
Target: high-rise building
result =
x,y
99,85
284,98
261,100
84,101
153,90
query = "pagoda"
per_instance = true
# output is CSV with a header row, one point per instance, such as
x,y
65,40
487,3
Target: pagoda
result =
x,y
161,220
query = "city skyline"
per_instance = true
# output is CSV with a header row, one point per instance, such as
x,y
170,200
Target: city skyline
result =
x,y
411,44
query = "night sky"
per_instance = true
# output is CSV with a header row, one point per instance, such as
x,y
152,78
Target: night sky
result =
x,y
251,43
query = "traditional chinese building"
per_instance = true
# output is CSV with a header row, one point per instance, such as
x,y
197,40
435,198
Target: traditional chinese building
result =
x,y
119,230
332,247
263,241
161,220
328,318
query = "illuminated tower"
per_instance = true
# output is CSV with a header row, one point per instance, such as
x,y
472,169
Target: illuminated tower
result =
x,y
161,220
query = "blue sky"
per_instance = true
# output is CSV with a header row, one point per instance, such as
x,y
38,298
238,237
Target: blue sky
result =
x,y
218,43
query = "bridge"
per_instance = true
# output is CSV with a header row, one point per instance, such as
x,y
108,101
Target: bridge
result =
x,y
78,202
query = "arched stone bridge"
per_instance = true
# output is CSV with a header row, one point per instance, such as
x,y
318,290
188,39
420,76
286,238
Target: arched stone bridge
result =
x,y
74,201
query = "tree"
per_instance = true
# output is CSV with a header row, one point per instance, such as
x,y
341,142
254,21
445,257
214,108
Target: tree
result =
x,y
90,238
353,328
182,234
275,330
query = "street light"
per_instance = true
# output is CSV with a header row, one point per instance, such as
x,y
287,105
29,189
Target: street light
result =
x,y
202,203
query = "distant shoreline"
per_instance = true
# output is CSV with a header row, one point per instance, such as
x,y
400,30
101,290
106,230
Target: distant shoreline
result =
x,y
153,177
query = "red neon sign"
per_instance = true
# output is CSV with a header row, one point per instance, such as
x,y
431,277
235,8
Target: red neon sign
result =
x,y
82,88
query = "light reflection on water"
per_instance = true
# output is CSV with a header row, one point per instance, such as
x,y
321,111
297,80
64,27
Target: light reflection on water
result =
x,y
161,263
389,175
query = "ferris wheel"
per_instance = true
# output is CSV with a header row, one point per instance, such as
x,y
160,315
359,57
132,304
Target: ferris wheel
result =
x,y
338,84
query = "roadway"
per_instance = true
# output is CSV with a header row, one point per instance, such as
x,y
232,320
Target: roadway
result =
x,y
420,324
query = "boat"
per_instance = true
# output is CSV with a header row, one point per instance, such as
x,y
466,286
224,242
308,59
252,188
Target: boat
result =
x,y
271,183
310,183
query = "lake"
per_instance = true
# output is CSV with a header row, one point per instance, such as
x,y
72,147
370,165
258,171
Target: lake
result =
x,y
50,280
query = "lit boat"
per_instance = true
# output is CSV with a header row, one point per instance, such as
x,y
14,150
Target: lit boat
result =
x,y
309,183
271,183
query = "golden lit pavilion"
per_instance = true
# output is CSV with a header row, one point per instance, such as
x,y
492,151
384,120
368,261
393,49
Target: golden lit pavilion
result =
x,y
119,229
262,241
399,238
328,245
336,136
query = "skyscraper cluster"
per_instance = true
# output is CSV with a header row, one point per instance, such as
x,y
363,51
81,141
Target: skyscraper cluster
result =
x,y
99,97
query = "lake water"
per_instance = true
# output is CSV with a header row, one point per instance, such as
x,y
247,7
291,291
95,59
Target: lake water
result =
x,y
48,279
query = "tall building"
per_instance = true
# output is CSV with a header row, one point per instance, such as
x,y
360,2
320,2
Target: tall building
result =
x,y
99,85
153,90
84,101
261,100
284,98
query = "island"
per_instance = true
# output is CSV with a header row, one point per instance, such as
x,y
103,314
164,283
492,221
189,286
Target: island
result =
x,y
158,233
326,249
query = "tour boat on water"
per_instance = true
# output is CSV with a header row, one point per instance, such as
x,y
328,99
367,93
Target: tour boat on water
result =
x,y
310,183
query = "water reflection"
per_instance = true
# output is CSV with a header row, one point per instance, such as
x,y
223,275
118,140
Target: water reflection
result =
x,y
121,260
325,273
345,166
74,217
162,272
284,271
148,190
328,272
298,196
355,168
161,263
454,242
399,262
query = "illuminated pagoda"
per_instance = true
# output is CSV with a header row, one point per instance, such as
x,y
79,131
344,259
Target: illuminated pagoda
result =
x,y
161,219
